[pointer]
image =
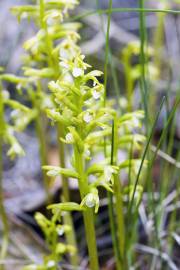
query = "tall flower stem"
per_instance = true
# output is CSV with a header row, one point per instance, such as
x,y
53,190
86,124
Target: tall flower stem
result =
x,y
88,214
70,236
3,214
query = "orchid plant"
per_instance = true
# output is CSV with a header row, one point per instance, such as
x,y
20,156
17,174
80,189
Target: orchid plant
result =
x,y
86,123
53,230
8,130
79,99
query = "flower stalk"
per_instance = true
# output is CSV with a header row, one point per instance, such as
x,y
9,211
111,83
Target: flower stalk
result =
x,y
43,50
88,215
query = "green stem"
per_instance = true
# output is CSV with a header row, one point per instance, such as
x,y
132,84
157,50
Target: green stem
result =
x,y
143,83
158,44
70,236
88,214
118,195
112,215
112,64
107,52
3,214
119,215
113,231
110,197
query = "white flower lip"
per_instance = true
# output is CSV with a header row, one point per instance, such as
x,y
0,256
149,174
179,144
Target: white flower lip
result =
x,y
65,65
87,152
96,94
108,171
87,117
69,137
60,232
50,21
51,263
16,148
77,72
15,113
6,94
135,122
64,53
90,202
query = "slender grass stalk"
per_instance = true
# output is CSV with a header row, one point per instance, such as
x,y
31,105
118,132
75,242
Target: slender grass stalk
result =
x,y
171,115
5,238
110,197
132,217
174,215
112,64
144,155
164,132
116,10
113,231
165,166
152,199
158,43
88,214
113,226
143,84
118,195
107,53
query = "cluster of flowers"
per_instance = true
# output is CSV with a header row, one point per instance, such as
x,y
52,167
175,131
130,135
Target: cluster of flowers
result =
x,y
79,99
42,50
